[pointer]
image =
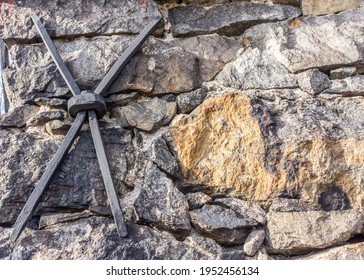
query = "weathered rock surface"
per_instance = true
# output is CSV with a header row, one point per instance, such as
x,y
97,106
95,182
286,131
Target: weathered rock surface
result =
x,y
148,114
313,81
300,232
342,73
159,203
351,86
77,18
19,116
256,69
188,101
162,67
322,7
305,43
47,116
177,65
245,208
74,242
263,143
253,242
162,157
346,252
52,219
289,205
223,225
197,200
227,19
26,156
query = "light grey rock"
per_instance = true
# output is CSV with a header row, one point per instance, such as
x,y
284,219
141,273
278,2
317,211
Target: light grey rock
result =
x,y
186,102
32,73
52,219
256,69
306,42
300,232
209,2
342,73
210,246
147,114
346,252
351,86
78,183
43,117
313,81
223,225
177,65
96,238
120,99
290,205
163,158
248,209
55,103
160,204
197,200
163,66
322,7
19,116
226,19
57,127
253,242
72,19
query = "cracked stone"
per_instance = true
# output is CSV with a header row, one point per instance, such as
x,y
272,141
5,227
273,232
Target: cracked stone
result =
x,y
226,19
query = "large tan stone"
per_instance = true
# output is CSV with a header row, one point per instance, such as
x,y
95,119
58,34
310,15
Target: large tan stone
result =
x,y
258,145
322,7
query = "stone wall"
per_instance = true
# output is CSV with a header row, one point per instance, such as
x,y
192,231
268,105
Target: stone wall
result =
x,y
236,132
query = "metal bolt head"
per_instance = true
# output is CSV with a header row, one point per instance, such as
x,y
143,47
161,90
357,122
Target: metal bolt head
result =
x,y
87,100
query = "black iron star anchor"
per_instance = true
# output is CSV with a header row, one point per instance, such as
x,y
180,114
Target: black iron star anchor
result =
x,y
81,105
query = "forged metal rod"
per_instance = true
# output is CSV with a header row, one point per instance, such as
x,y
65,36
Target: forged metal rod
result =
x,y
47,177
67,77
125,57
106,174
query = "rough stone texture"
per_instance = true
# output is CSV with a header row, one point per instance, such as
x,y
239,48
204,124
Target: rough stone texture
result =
x,y
162,67
159,203
305,43
52,219
197,200
75,240
19,116
246,208
147,115
223,225
207,2
78,183
351,86
342,73
300,232
227,19
260,144
256,69
44,117
253,242
186,102
177,65
77,18
322,7
289,205
162,157
313,81
346,252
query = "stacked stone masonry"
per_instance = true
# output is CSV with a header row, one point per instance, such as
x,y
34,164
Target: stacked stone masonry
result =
x,y
236,132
